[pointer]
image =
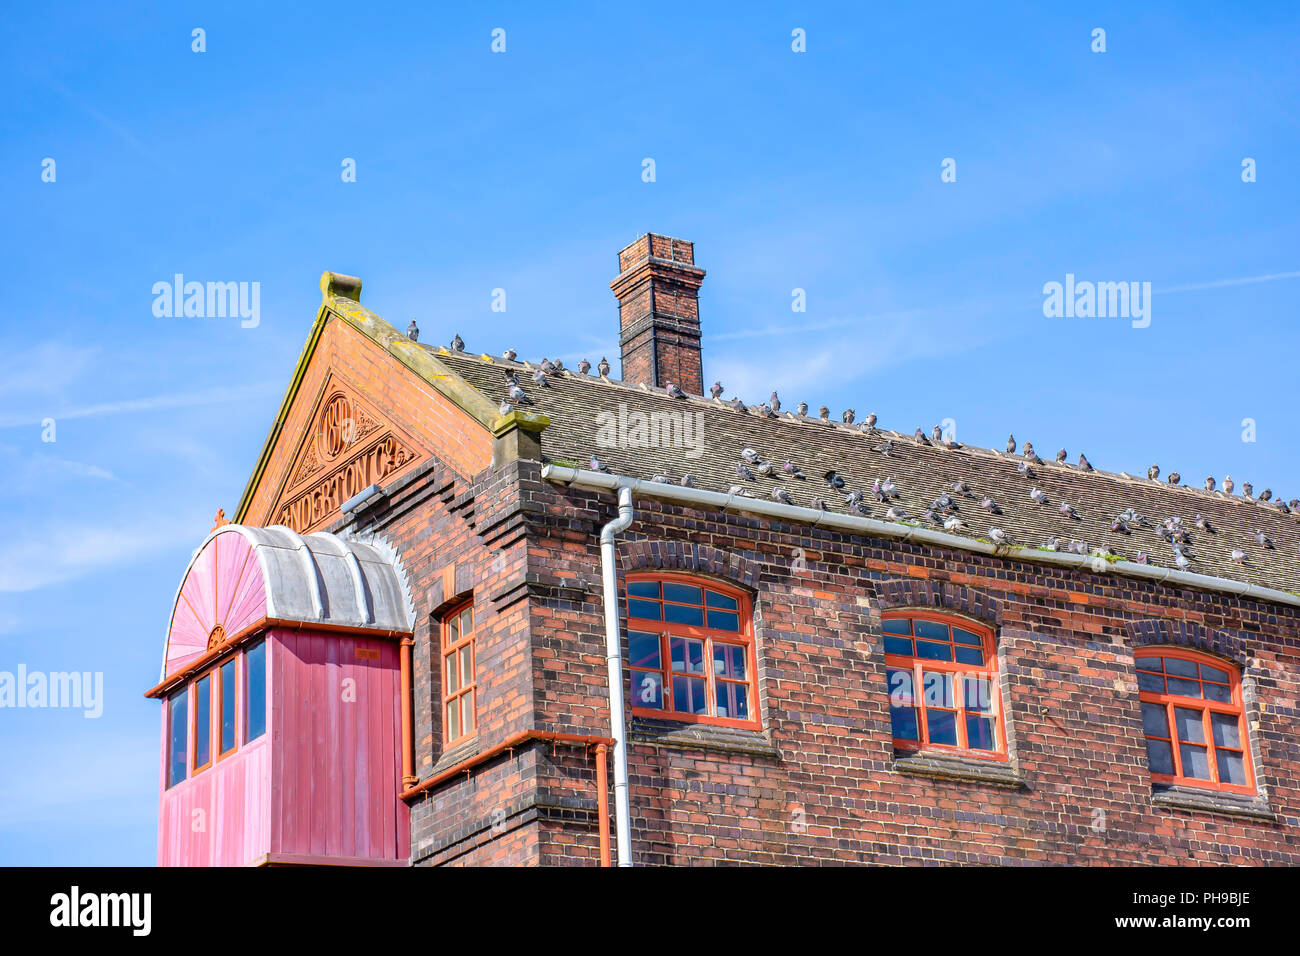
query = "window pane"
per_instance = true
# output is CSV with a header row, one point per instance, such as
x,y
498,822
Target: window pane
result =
x,y
732,701
466,621
934,652
1150,664
452,676
689,696
179,716
1160,757
937,687
255,692
737,656
1190,724
466,665
453,631
728,661
979,733
903,721
726,602
1155,722
648,689
682,614
643,649
643,588
1151,682
1195,762
467,712
227,706
1232,767
978,694
902,714
646,609
966,637
1184,688
970,655
942,725
202,722
1226,730
1176,665
724,620
686,593
896,625
931,630
687,655
453,719
900,688
1219,692
1214,674
898,645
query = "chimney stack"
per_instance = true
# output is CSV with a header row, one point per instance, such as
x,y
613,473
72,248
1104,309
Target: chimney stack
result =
x,y
658,288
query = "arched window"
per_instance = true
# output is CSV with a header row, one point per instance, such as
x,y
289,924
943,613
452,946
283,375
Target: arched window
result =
x,y
943,688
1193,720
691,651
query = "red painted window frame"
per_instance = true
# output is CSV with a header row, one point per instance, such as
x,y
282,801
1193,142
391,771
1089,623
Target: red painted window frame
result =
x,y
668,629
196,769
451,652
987,671
219,697
1235,707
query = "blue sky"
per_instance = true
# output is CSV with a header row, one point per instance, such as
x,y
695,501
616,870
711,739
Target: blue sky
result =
x,y
816,170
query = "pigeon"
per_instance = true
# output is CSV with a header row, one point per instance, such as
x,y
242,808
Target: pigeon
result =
x,y
802,409
413,331
738,405
820,504
1069,511
871,420
603,368
716,390
1011,444
598,465
687,481
920,436
775,401
509,355
936,434
1238,556
1084,464
674,391
1209,484
1119,526
1266,494
584,367
1228,484
998,537
1024,470
766,411
953,523
944,503
988,504
546,365
505,408
749,455
933,518
854,497
1030,454
834,480
518,395
1246,489
540,377
739,491
1153,472
860,508
457,343
1038,496
764,468
1202,524
1076,547
1139,558
1061,456
889,488
791,469
1264,541
878,491
661,479
885,447
781,495
744,472
1052,544
961,488
512,377
893,514
1131,517
1294,504
1182,560
824,413
1281,505
1174,478
848,416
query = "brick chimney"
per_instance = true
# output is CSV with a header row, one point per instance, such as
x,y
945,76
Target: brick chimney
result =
x,y
658,288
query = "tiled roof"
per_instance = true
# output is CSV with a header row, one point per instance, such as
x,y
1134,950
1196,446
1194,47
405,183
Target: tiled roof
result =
x,y
921,472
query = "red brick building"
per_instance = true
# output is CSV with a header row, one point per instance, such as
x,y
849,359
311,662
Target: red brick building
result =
x,y
833,642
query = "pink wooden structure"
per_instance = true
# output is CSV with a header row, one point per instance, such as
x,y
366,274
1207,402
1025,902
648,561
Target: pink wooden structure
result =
x,y
320,783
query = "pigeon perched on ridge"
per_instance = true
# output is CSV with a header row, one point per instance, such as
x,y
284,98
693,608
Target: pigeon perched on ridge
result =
x,y
998,537
775,401
603,368
1030,454
920,436
716,390
674,391
1228,484
1174,478
1153,472
413,331
509,355
802,409
738,405
1061,456
597,465
540,377
687,481
820,504
457,343
1024,470
848,416
824,413
1011,444
1246,489
936,434
1084,464
1209,483
1266,494
546,365
765,410
584,367
870,420
1052,544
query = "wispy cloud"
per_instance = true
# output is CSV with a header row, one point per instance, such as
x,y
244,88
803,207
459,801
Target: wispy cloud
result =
x,y
43,369
209,396
1221,283
42,557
